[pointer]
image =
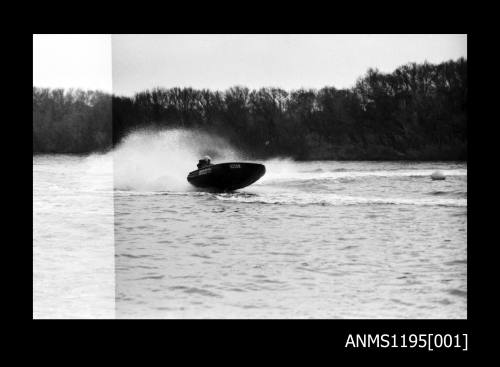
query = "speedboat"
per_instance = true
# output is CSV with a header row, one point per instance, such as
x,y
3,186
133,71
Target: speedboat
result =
x,y
226,176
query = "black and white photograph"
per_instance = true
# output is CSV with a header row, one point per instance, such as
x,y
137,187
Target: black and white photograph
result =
x,y
250,176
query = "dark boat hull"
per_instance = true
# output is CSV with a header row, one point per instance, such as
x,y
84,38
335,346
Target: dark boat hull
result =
x,y
227,176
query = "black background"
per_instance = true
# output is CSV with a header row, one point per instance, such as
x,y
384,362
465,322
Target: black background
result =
x,y
240,341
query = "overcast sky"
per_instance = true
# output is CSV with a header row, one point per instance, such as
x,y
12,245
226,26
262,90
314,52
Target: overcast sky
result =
x,y
218,62
72,61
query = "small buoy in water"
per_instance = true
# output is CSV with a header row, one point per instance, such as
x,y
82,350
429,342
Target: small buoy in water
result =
x,y
438,175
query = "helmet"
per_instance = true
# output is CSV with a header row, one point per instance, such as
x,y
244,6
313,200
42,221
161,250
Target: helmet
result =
x,y
207,158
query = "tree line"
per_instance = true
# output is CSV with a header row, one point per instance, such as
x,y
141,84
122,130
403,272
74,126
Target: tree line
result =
x,y
71,121
417,112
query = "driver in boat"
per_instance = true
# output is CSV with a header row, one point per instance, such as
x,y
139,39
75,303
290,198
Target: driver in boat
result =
x,y
204,162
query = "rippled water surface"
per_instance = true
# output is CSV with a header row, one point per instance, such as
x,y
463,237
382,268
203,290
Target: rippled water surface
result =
x,y
309,240
73,246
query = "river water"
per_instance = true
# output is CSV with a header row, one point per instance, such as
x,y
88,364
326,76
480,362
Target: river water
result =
x,y
309,240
